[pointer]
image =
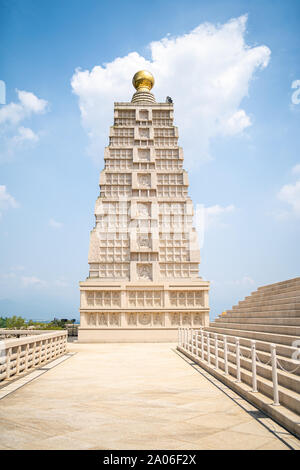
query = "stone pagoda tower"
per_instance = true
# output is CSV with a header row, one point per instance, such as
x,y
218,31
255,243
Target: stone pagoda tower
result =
x,y
144,254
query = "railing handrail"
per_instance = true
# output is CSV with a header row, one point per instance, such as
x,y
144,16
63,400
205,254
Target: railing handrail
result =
x,y
27,331
12,342
39,349
188,346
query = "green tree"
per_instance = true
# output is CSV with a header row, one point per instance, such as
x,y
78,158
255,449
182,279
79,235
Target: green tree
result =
x,y
15,322
3,322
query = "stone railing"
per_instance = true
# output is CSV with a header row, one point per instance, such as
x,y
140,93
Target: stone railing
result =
x,y
17,333
19,355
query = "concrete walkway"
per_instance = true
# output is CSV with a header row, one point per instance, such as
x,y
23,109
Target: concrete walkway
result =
x,y
132,396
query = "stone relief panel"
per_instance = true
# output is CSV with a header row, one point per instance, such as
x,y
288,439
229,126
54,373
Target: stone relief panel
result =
x,y
144,209
197,319
144,240
144,114
92,319
158,319
145,318
144,180
114,319
144,271
102,319
186,319
144,154
144,132
132,319
175,319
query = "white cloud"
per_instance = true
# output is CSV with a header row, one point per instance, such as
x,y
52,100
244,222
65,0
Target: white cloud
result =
x,y
206,218
18,267
6,200
296,169
54,224
31,281
236,123
207,72
28,104
31,103
12,272
61,283
215,214
25,133
12,134
290,194
246,280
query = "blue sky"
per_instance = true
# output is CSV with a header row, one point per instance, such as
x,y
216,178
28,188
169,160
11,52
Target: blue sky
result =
x,y
247,179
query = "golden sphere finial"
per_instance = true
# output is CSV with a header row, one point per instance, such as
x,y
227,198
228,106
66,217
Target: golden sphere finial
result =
x,y
143,80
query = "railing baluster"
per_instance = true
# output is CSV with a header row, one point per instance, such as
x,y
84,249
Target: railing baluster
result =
x,y
196,341
216,352
40,352
202,344
253,357
18,360
274,375
225,355
238,360
33,354
26,357
8,360
208,348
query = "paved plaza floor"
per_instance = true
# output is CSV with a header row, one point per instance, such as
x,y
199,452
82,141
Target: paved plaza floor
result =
x,y
132,396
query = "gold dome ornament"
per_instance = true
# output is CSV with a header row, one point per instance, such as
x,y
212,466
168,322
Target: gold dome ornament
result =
x,y
143,80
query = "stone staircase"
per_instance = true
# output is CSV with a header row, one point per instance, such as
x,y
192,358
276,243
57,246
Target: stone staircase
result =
x,y
270,315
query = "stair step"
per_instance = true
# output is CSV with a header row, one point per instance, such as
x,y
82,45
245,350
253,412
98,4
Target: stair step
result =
x,y
281,330
290,321
257,335
266,308
275,293
281,284
271,314
260,302
282,295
